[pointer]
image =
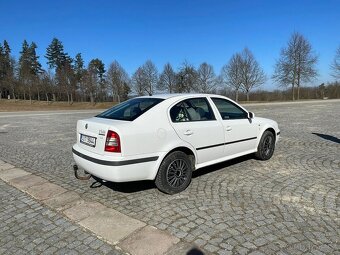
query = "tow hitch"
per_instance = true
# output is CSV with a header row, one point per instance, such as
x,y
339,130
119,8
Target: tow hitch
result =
x,y
84,177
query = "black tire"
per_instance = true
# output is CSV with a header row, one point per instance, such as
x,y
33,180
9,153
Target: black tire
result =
x,y
266,147
174,173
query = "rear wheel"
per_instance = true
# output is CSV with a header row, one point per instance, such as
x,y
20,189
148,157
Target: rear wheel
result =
x,y
265,149
174,174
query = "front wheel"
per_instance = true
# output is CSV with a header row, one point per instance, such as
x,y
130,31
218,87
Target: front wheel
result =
x,y
265,149
174,174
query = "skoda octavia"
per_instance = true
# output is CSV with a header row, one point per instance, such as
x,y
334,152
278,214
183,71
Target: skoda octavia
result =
x,y
166,137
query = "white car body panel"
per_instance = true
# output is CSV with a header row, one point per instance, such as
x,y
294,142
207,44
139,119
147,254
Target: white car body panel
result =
x,y
148,139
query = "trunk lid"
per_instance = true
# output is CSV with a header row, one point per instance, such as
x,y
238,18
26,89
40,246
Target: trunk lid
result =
x,y
91,134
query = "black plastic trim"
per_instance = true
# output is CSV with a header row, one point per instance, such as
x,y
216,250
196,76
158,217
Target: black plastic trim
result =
x,y
114,163
220,144
278,133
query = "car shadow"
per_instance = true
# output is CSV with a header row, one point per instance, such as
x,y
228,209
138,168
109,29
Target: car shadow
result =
x,y
328,137
137,186
124,187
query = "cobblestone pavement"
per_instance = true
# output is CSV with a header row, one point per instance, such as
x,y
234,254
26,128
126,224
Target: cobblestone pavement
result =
x,y
287,205
27,227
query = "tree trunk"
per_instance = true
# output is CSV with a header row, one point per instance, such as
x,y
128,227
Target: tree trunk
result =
x,y
46,97
236,95
91,98
29,95
38,96
298,85
293,91
53,97
247,96
71,98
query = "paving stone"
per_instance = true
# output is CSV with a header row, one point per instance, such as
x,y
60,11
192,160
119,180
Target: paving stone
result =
x,y
148,241
45,190
5,166
64,200
12,173
27,181
83,210
111,225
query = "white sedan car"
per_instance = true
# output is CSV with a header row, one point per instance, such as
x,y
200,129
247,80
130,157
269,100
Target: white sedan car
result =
x,y
166,137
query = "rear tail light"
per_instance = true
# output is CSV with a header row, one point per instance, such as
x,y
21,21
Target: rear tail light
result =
x,y
112,143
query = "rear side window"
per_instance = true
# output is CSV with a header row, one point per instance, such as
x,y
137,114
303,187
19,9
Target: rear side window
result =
x,y
228,110
196,109
130,109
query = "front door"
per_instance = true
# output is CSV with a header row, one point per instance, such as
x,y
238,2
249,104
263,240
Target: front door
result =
x,y
240,132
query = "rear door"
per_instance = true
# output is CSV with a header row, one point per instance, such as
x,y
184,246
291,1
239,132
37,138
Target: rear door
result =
x,y
240,132
195,123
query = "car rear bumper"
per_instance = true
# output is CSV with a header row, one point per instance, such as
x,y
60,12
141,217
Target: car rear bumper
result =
x,y
116,170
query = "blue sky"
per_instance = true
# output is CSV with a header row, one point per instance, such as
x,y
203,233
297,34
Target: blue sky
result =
x,y
173,31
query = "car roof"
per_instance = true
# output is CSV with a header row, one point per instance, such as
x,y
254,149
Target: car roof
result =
x,y
179,95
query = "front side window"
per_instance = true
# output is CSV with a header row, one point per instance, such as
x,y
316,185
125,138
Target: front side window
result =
x,y
228,110
196,109
130,109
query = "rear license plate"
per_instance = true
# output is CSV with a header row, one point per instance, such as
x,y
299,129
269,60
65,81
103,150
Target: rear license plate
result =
x,y
88,140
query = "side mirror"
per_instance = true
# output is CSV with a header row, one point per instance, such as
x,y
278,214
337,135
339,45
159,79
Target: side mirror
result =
x,y
251,115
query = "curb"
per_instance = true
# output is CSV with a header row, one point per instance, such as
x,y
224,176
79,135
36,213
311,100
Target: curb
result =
x,y
125,233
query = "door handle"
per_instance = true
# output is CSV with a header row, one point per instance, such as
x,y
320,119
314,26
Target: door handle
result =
x,y
228,128
188,132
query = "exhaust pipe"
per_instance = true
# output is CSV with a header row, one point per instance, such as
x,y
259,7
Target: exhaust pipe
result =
x,y
84,177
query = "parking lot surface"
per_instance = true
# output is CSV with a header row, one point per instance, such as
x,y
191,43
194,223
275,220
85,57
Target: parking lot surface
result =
x,y
287,205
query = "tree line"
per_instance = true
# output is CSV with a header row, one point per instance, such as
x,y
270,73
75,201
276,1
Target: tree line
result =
x,y
68,78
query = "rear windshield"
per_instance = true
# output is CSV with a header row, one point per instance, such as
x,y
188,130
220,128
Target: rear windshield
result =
x,y
130,109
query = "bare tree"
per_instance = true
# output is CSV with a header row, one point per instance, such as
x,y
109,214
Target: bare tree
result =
x,y
252,75
206,78
336,65
186,78
296,64
167,79
231,74
150,77
118,80
138,81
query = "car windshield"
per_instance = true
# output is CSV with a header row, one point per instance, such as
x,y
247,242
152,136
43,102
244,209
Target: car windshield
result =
x,y
130,109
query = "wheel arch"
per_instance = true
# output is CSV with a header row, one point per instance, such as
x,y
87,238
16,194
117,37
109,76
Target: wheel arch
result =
x,y
182,148
266,128
187,151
